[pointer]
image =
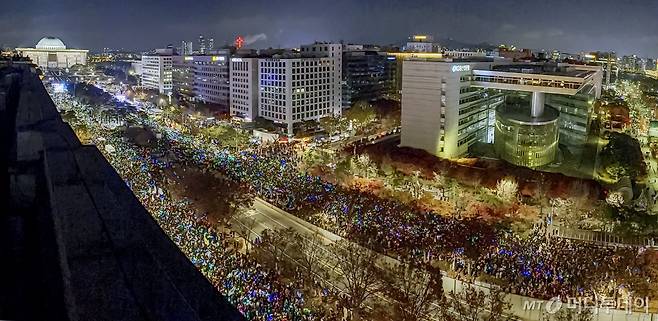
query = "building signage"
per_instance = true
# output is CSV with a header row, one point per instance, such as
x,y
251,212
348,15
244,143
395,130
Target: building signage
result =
x,y
461,68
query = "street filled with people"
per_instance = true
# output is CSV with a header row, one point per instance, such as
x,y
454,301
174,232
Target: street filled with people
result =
x,y
258,293
538,265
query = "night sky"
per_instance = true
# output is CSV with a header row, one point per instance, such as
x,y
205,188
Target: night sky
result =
x,y
626,26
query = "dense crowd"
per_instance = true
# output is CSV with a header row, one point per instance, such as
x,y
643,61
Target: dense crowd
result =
x,y
539,265
257,292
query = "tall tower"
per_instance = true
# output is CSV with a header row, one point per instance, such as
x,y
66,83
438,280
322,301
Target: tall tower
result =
x,y
607,76
202,44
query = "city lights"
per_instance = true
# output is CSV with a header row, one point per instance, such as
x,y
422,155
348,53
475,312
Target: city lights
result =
x,y
353,161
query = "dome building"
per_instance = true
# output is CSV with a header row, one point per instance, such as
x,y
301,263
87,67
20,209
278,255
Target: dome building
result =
x,y
52,53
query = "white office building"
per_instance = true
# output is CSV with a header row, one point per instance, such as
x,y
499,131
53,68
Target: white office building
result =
x,y
244,88
51,53
294,90
157,71
448,106
335,52
441,113
422,43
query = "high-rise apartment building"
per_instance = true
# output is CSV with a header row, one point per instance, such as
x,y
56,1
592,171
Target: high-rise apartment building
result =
x,y
186,48
202,45
244,82
297,89
157,71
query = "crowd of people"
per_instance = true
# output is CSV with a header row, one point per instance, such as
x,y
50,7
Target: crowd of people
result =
x,y
257,292
539,265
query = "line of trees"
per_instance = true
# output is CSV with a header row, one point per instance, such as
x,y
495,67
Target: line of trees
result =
x,y
376,290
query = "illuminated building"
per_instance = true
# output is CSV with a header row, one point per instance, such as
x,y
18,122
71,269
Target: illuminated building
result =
x,y
244,88
186,48
526,139
633,64
608,60
50,53
183,78
157,71
202,45
400,57
367,75
294,89
441,112
421,43
334,51
447,106
203,78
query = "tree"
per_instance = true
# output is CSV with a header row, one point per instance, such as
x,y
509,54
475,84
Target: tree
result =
x,y
225,136
330,124
364,166
622,156
361,114
474,304
440,182
507,188
276,246
235,196
571,314
310,255
358,275
416,291
615,199
414,185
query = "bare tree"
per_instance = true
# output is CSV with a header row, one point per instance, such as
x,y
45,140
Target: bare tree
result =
x,y
310,256
416,291
571,314
440,182
473,304
276,246
507,188
358,275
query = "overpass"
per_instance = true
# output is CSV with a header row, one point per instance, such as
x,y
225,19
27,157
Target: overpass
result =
x,y
563,80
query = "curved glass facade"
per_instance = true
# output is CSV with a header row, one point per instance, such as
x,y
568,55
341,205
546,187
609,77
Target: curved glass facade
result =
x,y
523,140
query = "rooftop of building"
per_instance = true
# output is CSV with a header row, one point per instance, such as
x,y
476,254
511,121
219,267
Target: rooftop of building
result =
x,y
551,69
50,43
76,242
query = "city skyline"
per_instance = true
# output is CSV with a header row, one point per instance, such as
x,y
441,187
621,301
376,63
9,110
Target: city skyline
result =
x,y
95,25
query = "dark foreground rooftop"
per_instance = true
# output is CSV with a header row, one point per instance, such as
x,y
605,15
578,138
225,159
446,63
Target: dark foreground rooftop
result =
x,y
75,243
